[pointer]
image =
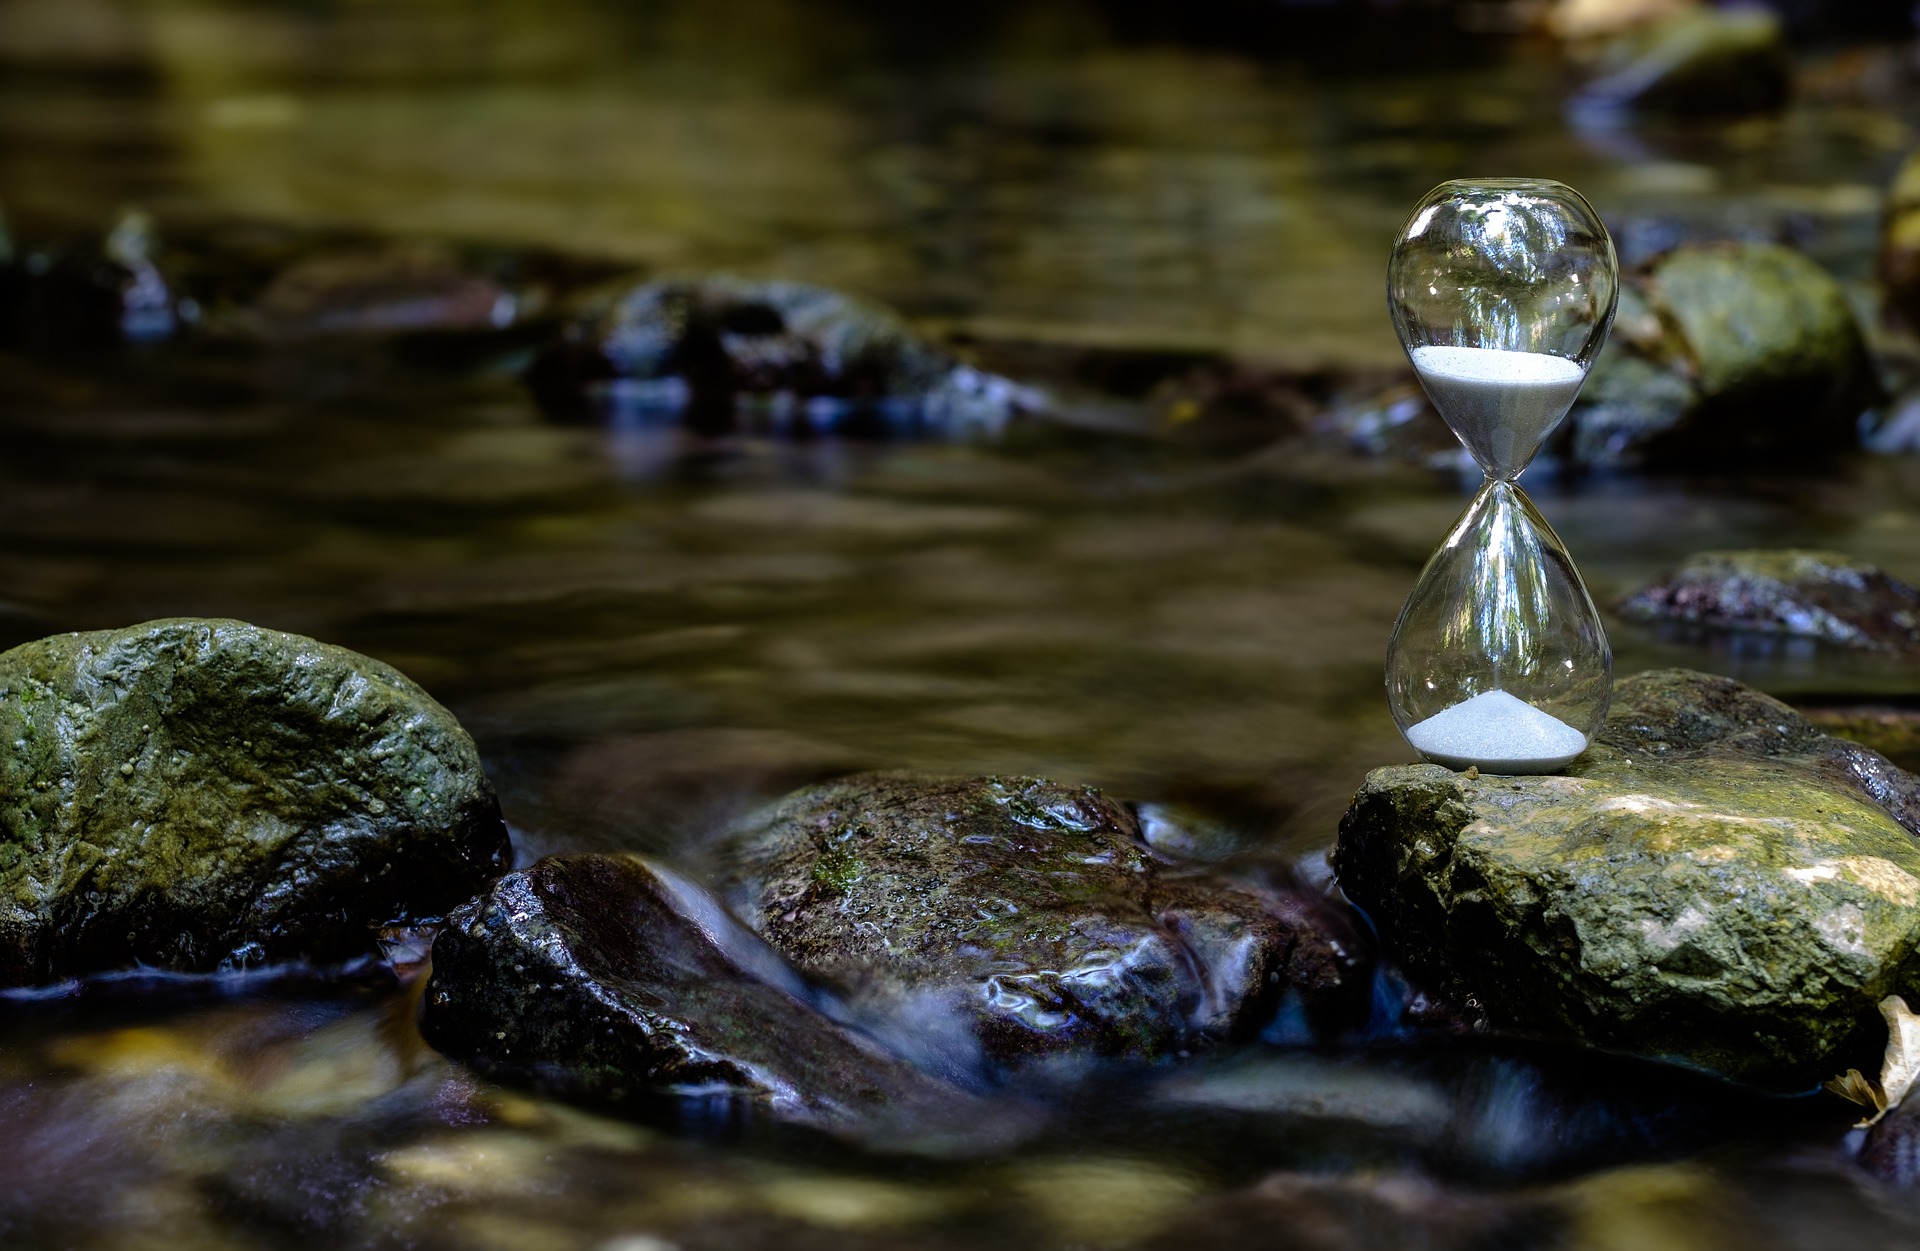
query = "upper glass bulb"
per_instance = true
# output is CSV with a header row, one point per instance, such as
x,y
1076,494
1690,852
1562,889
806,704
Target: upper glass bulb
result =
x,y
1502,290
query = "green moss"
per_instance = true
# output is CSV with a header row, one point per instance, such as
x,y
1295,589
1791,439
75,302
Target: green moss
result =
x,y
191,793
1712,883
837,869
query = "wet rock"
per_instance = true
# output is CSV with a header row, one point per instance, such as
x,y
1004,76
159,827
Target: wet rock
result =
x,y
1724,352
1698,62
802,357
1891,732
1827,596
1032,913
113,291
388,291
199,794
1714,882
1891,1152
611,980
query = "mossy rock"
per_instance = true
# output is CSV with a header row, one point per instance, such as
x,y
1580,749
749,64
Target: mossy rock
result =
x,y
1826,596
1715,882
198,794
1032,913
702,345
1726,352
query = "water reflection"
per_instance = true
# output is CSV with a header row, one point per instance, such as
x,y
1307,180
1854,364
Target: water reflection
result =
x,y
652,628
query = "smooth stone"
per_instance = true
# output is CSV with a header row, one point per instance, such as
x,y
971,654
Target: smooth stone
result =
x,y
1828,596
811,357
612,981
1723,353
1024,918
1715,883
194,794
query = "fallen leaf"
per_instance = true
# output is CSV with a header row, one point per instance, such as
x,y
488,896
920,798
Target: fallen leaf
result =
x,y
1901,1067
1861,1089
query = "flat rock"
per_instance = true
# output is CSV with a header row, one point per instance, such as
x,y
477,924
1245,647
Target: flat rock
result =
x,y
201,794
1724,352
1827,596
610,980
1715,882
1033,913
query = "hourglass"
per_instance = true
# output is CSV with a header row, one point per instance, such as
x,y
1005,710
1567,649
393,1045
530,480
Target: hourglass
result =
x,y
1502,291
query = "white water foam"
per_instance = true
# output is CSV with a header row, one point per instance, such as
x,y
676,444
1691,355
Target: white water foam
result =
x,y
1499,733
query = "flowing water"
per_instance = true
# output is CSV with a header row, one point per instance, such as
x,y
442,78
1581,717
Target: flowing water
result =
x,y
651,631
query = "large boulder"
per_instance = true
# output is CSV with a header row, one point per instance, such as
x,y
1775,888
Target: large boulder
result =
x,y
612,980
201,794
805,356
1714,882
1725,352
1826,596
1032,913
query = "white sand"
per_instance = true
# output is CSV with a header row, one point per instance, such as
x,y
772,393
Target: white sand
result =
x,y
1501,404
1498,732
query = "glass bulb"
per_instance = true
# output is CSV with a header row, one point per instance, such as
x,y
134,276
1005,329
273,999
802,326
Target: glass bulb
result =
x,y
1502,291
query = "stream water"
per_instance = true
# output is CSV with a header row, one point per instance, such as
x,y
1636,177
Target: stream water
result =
x,y
649,632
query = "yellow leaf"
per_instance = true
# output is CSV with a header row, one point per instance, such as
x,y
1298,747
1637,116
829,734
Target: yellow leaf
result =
x,y
1863,1090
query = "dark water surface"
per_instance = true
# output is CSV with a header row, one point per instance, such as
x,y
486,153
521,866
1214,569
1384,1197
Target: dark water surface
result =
x,y
649,632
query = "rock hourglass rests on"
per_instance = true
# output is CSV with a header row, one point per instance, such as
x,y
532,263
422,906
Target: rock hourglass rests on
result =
x,y
1502,291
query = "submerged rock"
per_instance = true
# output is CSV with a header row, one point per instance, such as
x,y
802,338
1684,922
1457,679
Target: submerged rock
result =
x,y
380,292
1724,352
114,291
1714,882
1699,61
1827,596
1032,914
609,979
810,358
201,794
